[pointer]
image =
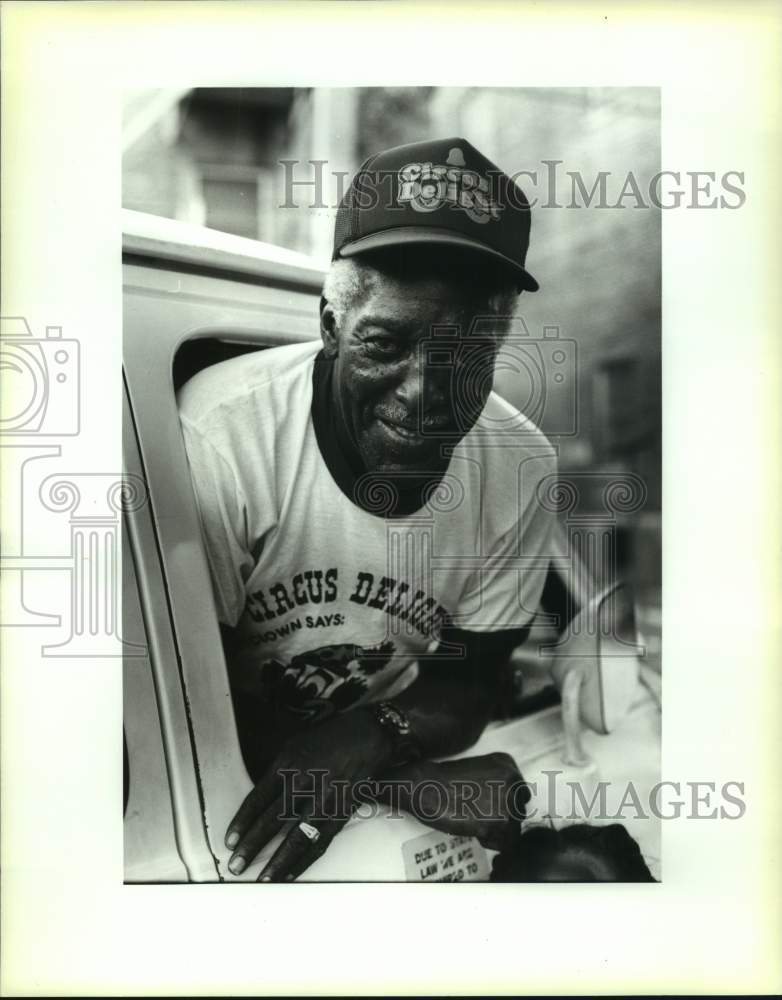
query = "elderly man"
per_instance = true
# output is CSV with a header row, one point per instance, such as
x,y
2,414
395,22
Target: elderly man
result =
x,y
369,505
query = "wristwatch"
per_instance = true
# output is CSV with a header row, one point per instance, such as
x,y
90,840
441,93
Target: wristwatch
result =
x,y
395,721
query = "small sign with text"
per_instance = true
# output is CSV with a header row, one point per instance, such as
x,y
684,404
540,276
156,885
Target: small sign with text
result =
x,y
442,857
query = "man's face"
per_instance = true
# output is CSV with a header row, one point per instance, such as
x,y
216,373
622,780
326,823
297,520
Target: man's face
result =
x,y
404,385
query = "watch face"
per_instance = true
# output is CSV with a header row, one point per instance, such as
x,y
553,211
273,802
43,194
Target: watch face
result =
x,y
392,716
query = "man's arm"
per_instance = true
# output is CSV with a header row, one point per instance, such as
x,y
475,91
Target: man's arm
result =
x,y
448,705
456,692
447,708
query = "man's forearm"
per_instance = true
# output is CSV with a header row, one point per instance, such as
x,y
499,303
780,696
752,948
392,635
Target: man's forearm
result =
x,y
453,699
446,715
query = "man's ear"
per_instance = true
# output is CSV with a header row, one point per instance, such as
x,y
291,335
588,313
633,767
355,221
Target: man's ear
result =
x,y
328,328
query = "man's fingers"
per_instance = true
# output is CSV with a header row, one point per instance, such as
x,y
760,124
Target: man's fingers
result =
x,y
308,858
259,834
255,802
305,843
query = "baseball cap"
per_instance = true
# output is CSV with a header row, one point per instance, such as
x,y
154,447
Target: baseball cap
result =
x,y
442,192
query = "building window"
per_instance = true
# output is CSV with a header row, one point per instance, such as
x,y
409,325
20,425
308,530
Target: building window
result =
x,y
231,199
616,403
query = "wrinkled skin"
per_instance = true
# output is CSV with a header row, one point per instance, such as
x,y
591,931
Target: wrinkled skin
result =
x,y
410,372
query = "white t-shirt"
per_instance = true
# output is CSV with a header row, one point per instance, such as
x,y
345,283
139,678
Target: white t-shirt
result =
x,y
333,604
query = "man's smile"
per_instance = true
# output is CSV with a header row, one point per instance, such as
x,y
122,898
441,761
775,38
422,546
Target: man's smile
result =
x,y
408,434
412,432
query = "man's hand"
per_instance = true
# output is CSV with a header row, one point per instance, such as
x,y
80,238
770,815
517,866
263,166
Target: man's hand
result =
x,y
320,766
483,797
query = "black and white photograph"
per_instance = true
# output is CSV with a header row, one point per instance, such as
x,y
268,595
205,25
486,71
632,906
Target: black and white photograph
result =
x,y
389,448
392,361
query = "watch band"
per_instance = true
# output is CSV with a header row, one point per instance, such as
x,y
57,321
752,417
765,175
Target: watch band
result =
x,y
396,722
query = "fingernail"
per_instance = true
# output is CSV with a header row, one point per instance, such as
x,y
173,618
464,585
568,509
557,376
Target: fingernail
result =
x,y
232,839
265,878
237,865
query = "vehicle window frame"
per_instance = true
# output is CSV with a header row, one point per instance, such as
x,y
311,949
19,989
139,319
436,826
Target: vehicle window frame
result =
x,y
147,588
151,841
165,308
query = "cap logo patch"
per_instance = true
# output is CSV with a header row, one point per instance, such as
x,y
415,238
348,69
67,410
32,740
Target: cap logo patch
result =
x,y
428,186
